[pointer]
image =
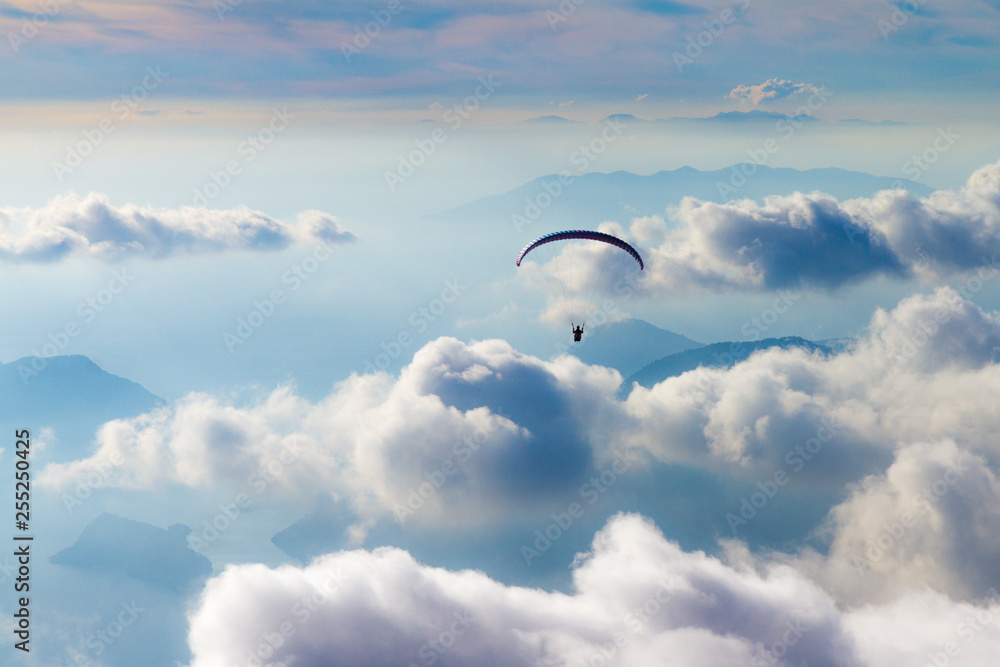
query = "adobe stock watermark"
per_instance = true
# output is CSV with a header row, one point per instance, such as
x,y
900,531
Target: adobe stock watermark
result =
x,y
971,627
898,16
914,168
123,107
566,9
85,487
247,151
698,43
101,640
264,309
30,27
774,654
419,321
462,451
926,329
435,647
301,612
581,158
591,492
366,34
753,329
259,481
223,7
796,459
87,310
892,533
920,164
756,327
455,116
784,130
637,618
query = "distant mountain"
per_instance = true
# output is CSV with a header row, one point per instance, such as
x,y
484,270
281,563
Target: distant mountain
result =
x,y
629,345
144,552
838,345
549,120
625,118
70,394
861,122
317,533
752,116
716,355
593,198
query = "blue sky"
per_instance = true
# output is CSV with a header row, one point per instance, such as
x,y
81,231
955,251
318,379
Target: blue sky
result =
x,y
589,51
250,207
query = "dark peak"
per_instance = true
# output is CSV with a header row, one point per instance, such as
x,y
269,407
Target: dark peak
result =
x,y
624,117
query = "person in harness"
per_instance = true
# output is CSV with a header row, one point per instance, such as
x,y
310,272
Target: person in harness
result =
x,y
577,332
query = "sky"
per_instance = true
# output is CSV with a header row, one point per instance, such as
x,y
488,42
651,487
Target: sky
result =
x,y
327,421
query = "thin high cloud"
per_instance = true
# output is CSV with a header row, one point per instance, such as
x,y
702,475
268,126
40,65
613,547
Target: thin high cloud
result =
x,y
92,226
615,46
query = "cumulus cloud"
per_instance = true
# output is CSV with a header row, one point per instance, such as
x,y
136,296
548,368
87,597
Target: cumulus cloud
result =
x,y
925,369
480,425
809,241
92,226
637,600
772,89
932,519
472,434
905,416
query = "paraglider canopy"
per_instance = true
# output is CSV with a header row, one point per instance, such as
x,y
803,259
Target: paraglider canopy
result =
x,y
580,234
581,271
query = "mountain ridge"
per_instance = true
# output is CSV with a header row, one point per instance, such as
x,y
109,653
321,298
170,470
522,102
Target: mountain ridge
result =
x,y
595,197
723,354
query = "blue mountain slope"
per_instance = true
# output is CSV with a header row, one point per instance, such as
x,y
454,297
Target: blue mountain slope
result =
x,y
716,355
629,345
144,552
69,394
593,198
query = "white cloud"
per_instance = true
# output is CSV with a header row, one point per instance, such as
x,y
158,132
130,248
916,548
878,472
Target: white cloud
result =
x,y
909,405
772,89
932,519
637,600
481,423
926,369
507,311
468,429
811,241
635,587
92,226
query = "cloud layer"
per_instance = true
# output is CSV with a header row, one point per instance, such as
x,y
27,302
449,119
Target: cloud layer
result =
x,y
473,434
479,424
813,241
638,599
71,225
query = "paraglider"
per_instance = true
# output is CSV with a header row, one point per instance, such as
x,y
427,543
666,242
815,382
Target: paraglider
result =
x,y
579,277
